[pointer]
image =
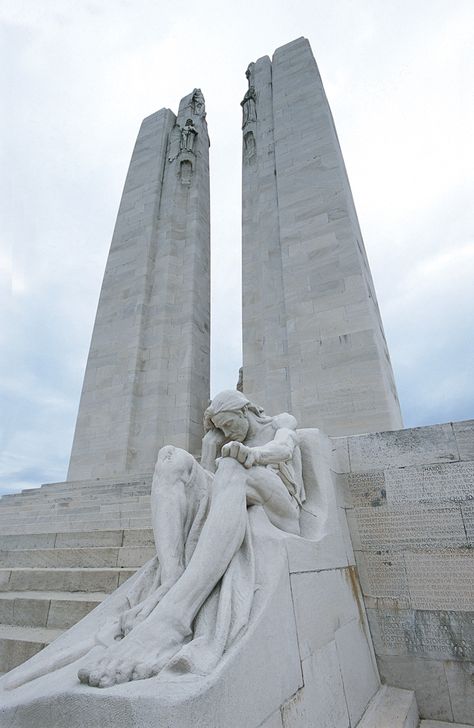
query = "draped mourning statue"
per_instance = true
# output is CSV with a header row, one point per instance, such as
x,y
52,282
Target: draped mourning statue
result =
x,y
193,601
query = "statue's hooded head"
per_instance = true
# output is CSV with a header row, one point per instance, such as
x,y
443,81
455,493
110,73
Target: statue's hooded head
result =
x,y
228,412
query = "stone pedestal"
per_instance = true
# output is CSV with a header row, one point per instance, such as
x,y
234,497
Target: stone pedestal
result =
x,y
305,657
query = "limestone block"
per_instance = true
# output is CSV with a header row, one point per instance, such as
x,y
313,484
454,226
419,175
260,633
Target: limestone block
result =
x,y
356,535
345,535
318,593
442,724
321,701
136,537
88,539
135,555
460,676
4,579
358,668
274,721
467,510
450,483
344,496
408,527
430,634
27,541
13,653
441,580
24,612
391,708
306,555
18,644
464,433
72,557
145,523
383,575
367,489
416,446
63,613
84,580
124,575
426,677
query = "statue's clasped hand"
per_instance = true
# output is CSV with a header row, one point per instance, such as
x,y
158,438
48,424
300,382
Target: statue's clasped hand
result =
x,y
248,456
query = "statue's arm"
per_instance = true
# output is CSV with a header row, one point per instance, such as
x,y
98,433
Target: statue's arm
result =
x,y
211,447
279,450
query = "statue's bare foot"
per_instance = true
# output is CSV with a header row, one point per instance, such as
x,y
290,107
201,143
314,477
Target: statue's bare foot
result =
x,y
134,616
141,654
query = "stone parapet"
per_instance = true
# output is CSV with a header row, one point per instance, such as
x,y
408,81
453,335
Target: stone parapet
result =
x,y
409,498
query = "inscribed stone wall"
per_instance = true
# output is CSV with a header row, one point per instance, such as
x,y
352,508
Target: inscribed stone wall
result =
x,y
409,501
313,341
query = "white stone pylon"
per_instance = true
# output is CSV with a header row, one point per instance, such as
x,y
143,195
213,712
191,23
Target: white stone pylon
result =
x,y
147,377
313,340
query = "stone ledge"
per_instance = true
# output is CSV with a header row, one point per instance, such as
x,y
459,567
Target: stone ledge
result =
x,y
391,707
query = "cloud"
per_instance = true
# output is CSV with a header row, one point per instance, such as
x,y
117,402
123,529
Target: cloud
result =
x,y
80,77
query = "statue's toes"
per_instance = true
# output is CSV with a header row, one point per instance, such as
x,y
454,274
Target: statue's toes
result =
x,y
107,680
123,671
95,677
141,671
84,675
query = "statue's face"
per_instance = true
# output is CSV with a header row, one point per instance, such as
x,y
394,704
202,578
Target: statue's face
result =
x,y
234,425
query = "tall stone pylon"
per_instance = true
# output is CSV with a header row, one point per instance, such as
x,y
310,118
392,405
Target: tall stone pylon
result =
x,y
147,376
313,340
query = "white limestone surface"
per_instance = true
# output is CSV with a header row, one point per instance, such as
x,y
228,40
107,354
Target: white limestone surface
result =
x,y
391,708
313,340
408,496
147,376
276,669
442,724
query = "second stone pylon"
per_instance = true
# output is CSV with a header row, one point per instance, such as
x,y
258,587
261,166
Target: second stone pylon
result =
x,y
147,376
313,340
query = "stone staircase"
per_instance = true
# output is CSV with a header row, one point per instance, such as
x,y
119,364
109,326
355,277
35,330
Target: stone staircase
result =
x,y
63,548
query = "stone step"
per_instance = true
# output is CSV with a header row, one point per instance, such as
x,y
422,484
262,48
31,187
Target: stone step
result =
x,y
41,525
106,510
55,610
391,708
71,489
57,524
442,724
48,540
76,501
65,580
100,556
116,481
18,644
40,500
77,505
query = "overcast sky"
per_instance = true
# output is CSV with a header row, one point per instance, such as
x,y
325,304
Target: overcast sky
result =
x,y
77,78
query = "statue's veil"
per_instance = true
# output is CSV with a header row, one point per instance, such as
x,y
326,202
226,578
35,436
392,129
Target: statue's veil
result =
x,y
231,400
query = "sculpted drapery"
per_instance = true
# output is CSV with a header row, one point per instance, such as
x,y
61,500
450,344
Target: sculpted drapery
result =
x,y
194,599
